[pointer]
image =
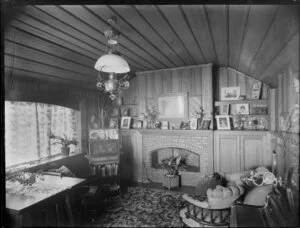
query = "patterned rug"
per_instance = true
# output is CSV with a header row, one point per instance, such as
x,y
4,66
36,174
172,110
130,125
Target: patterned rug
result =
x,y
143,207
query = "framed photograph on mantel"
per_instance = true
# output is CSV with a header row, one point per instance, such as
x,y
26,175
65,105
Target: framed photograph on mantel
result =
x,y
223,122
230,93
165,125
205,124
125,122
193,123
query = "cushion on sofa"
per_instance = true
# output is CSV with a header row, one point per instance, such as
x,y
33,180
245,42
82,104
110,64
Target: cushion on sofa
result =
x,y
223,197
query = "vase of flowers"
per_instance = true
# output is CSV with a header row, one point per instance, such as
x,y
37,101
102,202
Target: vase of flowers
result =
x,y
198,114
65,143
150,115
174,165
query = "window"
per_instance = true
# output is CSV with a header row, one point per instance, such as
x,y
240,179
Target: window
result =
x,y
27,128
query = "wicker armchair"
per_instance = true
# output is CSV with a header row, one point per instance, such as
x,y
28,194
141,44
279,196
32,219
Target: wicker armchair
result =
x,y
214,210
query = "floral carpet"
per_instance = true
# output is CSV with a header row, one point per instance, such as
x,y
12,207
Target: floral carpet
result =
x,y
144,207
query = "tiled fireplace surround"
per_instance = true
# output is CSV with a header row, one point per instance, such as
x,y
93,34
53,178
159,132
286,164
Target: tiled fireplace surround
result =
x,y
198,142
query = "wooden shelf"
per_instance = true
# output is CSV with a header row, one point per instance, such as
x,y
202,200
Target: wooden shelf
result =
x,y
128,105
217,103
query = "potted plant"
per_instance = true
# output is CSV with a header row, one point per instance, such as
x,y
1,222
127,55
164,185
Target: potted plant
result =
x,y
65,143
173,165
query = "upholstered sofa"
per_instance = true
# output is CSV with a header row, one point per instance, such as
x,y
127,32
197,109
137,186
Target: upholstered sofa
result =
x,y
214,207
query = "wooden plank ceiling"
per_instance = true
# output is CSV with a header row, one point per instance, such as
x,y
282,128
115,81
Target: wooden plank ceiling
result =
x,y
62,43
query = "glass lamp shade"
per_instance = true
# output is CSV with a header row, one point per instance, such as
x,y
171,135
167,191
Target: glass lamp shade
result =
x,y
111,85
112,63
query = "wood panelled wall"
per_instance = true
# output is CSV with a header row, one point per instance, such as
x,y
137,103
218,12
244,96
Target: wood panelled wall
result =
x,y
284,97
202,82
194,80
228,77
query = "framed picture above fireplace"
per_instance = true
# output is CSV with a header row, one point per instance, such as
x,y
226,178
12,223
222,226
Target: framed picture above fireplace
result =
x,y
173,106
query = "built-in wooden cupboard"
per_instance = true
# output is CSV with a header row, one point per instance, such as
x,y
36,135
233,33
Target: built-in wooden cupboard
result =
x,y
240,150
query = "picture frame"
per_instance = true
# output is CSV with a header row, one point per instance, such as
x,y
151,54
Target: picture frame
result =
x,y
242,109
165,125
139,124
224,109
173,106
193,123
125,122
230,93
205,124
256,90
113,123
259,109
115,112
223,122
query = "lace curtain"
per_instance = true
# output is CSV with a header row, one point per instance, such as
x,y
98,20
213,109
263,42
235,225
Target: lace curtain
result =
x,y
27,128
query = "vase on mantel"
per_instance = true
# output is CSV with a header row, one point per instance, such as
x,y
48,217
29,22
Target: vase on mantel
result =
x,y
149,124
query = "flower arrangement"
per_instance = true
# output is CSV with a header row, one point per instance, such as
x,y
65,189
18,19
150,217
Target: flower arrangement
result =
x,y
64,141
198,113
173,165
150,114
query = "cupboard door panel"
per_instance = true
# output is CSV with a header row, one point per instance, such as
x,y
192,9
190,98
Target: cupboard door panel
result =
x,y
254,152
227,157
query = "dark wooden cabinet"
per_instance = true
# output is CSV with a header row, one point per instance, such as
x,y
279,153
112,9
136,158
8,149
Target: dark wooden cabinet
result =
x,y
104,163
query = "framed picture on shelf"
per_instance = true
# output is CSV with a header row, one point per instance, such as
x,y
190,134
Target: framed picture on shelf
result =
x,y
125,122
230,93
194,123
223,122
205,124
256,90
242,109
115,112
259,109
113,123
224,109
165,125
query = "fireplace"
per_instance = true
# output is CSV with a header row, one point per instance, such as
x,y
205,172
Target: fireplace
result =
x,y
191,159
196,146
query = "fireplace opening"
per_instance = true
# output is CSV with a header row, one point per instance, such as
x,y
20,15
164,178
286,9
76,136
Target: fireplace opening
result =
x,y
192,160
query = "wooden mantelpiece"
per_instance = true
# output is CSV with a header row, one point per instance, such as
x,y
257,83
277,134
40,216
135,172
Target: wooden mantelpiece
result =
x,y
176,132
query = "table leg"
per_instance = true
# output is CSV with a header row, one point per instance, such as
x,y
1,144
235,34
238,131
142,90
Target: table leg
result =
x,y
69,208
